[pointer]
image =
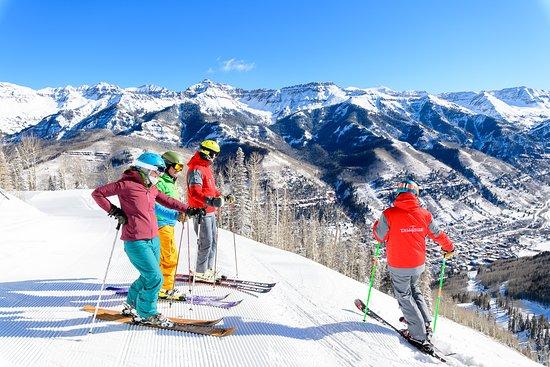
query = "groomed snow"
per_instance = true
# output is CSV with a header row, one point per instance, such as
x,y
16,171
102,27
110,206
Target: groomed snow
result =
x,y
53,260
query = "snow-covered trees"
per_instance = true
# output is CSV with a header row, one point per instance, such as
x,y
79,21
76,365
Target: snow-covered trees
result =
x,y
239,189
5,174
30,150
271,213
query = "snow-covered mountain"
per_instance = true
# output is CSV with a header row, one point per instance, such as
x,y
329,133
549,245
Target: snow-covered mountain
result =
x,y
521,105
490,121
477,155
308,319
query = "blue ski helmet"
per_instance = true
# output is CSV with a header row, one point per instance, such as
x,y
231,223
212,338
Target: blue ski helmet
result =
x,y
151,161
408,186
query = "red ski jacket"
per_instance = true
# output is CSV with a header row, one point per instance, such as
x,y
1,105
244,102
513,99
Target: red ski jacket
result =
x,y
138,203
404,228
200,183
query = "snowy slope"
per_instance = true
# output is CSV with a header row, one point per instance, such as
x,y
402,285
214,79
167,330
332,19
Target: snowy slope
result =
x,y
54,257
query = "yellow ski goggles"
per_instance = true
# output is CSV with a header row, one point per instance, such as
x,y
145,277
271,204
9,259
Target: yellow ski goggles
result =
x,y
178,167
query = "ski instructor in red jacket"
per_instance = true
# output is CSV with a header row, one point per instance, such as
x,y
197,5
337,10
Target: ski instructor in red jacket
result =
x,y
403,228
203,193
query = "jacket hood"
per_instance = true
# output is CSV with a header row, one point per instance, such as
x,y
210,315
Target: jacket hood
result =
x,y
406,201
197,160
132,174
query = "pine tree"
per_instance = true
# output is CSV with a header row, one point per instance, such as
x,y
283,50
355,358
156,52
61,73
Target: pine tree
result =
x,y
79,174
30,150
5,174
60,179
285,221
253,168
18,176
52,186
271,234
386,285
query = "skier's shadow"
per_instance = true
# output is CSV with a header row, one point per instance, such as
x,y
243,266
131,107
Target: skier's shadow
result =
x,y
316,332
49,308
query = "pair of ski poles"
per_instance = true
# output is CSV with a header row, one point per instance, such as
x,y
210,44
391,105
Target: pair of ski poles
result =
x,y
373,272
192,284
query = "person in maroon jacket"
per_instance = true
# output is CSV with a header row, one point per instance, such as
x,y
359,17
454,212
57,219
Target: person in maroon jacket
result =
x,y
403,228
137,194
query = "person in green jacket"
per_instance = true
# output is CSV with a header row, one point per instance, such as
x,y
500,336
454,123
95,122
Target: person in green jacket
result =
x,y
167,219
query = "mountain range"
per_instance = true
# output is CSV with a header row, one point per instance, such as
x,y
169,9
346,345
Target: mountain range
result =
x,y
477,155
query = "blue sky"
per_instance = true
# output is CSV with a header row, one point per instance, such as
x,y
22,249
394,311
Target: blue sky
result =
x,y
433,45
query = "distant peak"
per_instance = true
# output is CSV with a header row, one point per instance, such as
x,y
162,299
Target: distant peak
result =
x,y
207,84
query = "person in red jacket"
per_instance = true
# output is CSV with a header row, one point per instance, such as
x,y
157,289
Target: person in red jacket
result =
x,y
137,194
202,193
403,228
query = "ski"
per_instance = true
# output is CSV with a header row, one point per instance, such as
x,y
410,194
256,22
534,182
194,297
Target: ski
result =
x,y
124,290
189,326
361,306
196,300
224,280
238,286
112,315
213,301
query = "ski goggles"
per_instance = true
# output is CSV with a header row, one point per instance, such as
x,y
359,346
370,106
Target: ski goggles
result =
x,y
160,169
178,167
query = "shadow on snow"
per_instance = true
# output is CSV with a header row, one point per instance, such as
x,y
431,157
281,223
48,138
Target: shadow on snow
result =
x,y
28,309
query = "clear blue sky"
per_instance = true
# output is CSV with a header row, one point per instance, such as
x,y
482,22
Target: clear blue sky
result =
x,y
433,45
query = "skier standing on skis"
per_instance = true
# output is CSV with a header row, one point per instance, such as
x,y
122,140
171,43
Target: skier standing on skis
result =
x,y
167,219
403,228
203,193
137,194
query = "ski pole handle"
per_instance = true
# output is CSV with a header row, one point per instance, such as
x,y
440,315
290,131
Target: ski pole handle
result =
x,y
438,301
372,272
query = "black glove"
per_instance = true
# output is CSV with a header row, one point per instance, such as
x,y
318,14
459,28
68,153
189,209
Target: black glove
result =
x,y
217,202
118,214
191,212
230,199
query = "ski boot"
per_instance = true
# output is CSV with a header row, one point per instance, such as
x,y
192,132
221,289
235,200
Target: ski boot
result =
x,y
171,294
424,345
158,320
207,277
129,310
215,275
429,331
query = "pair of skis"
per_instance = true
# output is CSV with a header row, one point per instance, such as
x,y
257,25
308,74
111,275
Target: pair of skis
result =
x,y
240,284
202,327
214,301
361,306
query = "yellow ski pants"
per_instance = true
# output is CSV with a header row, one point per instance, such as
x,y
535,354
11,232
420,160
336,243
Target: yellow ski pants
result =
x,y
168,256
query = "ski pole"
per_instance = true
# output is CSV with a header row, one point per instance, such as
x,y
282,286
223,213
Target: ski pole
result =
x,y
216,254
441,275
4,195
188,255
235,249
372,272
104,279
178,259
198,231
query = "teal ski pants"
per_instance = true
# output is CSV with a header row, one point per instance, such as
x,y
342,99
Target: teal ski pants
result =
x,y
143,293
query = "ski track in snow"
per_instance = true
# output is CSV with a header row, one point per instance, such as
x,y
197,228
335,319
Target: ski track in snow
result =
x,y
56,259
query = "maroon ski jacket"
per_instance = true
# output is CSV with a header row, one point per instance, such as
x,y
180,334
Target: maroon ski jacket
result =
x,y
138,203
